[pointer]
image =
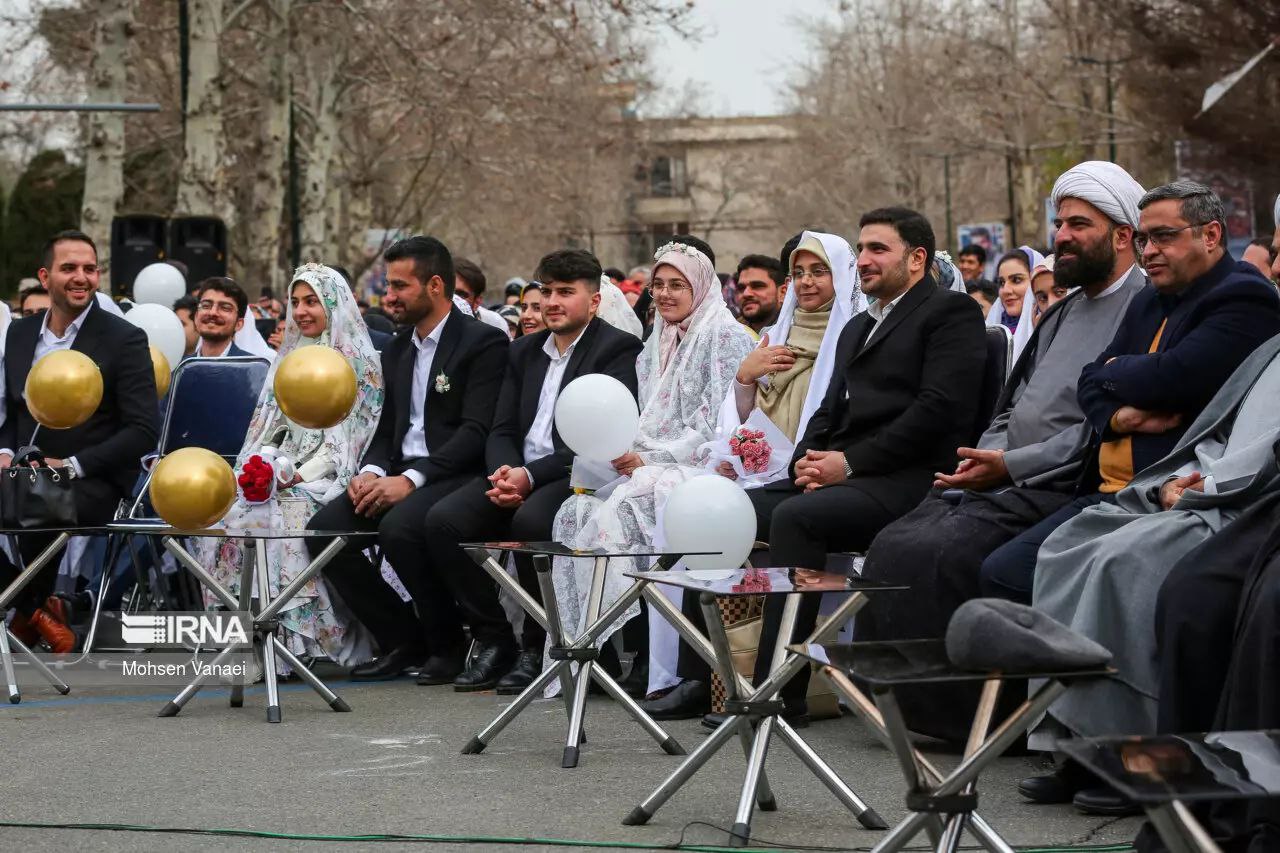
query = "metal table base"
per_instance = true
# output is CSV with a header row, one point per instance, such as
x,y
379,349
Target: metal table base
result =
x,y
565,652
755,717
8,641
945,805
265,642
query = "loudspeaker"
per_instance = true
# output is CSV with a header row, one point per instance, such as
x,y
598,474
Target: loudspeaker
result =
x,y
200,242
136,241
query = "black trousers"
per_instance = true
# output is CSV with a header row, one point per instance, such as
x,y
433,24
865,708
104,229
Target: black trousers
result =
x,y
468,515
801,528
96,502
437,625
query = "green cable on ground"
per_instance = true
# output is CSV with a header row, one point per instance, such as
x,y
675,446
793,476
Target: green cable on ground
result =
x,y
499,839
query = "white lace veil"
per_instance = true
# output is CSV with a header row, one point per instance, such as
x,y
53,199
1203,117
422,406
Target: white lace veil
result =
x,y
345,332
614,309
679,405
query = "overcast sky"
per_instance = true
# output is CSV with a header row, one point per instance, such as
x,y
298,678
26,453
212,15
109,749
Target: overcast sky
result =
x,y
741,61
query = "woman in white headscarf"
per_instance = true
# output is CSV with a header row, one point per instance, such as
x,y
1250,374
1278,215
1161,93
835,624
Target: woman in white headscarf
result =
x,y
1015,309
685,371
312,466
777,388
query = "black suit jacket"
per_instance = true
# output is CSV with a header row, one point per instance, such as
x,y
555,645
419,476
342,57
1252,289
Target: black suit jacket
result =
x,y
472,357
111,444
601,349
1209,330
899,405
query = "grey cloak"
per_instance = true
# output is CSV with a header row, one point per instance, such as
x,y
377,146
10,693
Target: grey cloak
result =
x,y
1101,572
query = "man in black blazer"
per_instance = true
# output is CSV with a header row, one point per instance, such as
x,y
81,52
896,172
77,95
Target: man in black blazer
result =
x,y
104,454
530,465
442,380
903,396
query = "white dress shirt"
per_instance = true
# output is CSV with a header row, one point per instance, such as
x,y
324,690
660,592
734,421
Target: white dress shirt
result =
x,y
538,442
880,310
46,343
414,445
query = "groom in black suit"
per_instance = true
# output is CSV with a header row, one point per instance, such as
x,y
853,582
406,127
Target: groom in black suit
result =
x,y
104,454
530,471
442,381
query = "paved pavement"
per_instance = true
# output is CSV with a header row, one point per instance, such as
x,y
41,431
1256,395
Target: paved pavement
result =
x,y
393,766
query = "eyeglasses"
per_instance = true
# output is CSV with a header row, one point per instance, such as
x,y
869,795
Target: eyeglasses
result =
x,y
816,273
675,288
220,307
1161,237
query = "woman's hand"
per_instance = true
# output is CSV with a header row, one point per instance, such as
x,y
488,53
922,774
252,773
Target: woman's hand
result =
x,y
627,463
724,469
763,360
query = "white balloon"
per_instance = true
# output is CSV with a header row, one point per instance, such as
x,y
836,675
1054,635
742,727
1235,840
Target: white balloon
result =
x,y
710,513
597,417
163,328
159,284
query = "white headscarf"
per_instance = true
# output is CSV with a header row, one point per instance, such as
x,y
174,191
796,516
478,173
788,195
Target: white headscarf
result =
x,y
614,309
345,332
849,300
1276,212
250,340
685,371
948,274
1026,320
1104,185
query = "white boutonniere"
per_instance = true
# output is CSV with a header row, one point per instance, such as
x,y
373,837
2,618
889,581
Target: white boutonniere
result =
x,y
442,383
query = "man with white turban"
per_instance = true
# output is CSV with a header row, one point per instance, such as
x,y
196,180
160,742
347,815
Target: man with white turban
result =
x,y
1028,462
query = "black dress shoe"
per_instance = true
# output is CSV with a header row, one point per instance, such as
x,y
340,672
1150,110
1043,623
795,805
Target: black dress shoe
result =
x,y
1060,786
687,700
488,665
388,666
1104,800
636,684
442,668
528,667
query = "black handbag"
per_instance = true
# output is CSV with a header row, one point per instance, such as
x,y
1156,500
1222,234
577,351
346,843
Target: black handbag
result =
x,y
35,497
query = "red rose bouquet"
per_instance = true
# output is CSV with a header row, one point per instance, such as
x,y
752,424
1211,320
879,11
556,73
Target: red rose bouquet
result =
x,y
257,480
751,446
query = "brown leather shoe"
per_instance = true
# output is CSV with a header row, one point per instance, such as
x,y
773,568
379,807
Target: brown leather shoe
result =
x,y
60,638
23,630
58,608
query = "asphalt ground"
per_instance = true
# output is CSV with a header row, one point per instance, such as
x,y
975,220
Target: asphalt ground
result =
x,y
394,766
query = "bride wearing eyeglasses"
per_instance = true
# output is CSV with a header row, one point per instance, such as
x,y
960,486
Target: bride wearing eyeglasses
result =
x,y
312,467
685,371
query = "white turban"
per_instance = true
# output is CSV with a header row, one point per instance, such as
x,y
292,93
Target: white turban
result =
x,y
1104,185
1276,212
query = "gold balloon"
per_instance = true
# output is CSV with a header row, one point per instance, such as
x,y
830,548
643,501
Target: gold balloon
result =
x,y
63,389
160,366
192,488
315,387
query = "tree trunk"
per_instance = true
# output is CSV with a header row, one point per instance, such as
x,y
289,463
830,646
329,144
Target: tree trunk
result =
x,y
265,227
318,171
104,154
202,180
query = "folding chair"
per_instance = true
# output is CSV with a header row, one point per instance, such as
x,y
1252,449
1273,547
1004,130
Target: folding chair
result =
x,y
210,403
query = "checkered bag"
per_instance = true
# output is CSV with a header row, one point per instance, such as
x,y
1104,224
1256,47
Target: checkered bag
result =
x,y
743,619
